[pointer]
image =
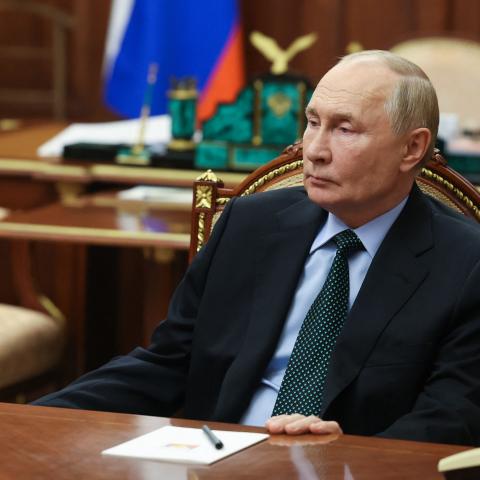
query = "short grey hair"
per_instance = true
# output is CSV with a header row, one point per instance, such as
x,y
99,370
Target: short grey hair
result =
x,y
413,102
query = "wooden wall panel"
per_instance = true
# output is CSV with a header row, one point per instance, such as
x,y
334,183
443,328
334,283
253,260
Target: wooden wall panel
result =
x,y
323,17
87,49
285,24
466,18
27,32
373,23
431,16
85,40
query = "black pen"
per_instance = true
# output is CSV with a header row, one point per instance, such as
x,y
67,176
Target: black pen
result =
x,y
214,440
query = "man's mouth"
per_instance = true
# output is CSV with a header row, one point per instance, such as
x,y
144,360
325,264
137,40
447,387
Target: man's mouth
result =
x,y
319,180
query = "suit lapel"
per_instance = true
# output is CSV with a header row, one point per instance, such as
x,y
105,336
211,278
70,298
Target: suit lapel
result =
x,y
279,261
394,275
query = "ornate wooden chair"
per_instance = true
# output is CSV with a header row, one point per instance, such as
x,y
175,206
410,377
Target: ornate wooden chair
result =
x,y
210,197
32,337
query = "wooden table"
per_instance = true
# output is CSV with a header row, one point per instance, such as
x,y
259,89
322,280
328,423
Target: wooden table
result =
x,y
50,443
18,157
30,183
137,278
103,219
61,209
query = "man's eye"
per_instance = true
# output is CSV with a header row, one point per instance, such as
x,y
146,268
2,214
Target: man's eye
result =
x,y
345,129
312,121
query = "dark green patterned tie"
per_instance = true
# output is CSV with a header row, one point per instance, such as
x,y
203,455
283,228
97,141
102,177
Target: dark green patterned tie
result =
x,y
302,386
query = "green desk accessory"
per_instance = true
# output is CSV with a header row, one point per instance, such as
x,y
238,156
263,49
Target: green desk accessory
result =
x,y
182,106
267,115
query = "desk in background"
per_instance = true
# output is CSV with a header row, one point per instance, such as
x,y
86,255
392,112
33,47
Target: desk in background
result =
x,y
18,157
69,214
41,442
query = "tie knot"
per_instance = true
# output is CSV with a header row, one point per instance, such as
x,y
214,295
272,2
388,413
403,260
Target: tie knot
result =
x,y
347,241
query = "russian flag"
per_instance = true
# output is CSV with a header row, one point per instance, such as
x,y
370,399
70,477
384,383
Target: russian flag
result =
x,y
186,38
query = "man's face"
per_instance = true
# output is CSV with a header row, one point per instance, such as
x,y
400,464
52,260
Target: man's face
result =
x,y
351,156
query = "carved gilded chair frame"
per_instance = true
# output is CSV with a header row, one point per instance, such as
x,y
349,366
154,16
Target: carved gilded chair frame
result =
x,y
210,196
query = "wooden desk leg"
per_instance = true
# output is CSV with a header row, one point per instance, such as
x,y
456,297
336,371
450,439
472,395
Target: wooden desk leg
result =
x,y
143,283
164,268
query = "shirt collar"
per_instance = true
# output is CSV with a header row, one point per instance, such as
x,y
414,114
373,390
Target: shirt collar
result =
x,y
371,234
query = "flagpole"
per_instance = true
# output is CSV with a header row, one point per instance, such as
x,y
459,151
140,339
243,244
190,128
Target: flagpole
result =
x,y
138,155
146,107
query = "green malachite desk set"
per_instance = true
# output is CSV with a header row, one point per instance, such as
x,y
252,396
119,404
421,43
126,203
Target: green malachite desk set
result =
x,y
267,115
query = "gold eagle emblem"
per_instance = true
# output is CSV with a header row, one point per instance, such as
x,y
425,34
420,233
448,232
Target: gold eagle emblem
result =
x,y
279,57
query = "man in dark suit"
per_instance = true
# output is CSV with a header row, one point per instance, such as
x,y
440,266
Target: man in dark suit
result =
x,y
256,325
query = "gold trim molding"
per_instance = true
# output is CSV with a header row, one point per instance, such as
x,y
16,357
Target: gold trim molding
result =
x,y
182,240
180,144
427,173
208,176
203,196
271,175
69,192
101,172
52,309
201,231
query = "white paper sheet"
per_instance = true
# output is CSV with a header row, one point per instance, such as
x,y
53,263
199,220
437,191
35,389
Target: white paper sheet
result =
x,y
184,445
146,193
157,130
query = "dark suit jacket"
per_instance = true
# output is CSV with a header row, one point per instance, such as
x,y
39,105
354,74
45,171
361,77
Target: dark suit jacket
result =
x,y
406,365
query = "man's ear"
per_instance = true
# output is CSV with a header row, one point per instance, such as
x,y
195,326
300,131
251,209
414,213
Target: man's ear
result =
x,y
416,145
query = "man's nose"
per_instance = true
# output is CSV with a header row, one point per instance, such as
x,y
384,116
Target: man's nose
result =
x,y
316,145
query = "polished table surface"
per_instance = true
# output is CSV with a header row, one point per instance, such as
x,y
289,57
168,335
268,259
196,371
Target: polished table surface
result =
x,y
51,443
77,216
103,219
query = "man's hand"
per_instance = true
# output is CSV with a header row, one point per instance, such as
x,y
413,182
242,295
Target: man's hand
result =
x,y
297,424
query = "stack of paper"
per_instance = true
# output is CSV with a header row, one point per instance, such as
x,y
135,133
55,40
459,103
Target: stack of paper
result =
x,y
184,445
146,193
157,130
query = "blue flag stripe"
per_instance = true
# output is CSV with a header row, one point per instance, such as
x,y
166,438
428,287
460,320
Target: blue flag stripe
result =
x,y
185,38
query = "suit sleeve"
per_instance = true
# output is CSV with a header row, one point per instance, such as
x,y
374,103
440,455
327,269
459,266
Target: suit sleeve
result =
x,y
448,408
149,381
